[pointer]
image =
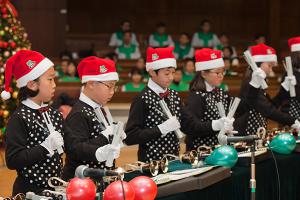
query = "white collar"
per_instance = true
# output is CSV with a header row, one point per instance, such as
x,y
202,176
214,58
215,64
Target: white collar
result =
x,y
209,87
88,101
155,87
31,104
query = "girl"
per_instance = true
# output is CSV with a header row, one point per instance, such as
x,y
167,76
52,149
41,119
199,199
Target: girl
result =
x,y
136,84
31,149
261,107
204,94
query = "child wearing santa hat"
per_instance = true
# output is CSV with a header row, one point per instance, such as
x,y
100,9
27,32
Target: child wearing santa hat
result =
x,y
32,148
291,104
203,97
147,123
261,107
87,140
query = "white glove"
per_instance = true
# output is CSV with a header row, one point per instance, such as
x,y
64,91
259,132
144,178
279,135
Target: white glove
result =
x,y
223,123
258,76
228,125
53,142
296,126
287,81
102,153
123,134
108,131
168,126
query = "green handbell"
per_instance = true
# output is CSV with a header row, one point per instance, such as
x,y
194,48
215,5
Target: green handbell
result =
x,y
225,156
283,143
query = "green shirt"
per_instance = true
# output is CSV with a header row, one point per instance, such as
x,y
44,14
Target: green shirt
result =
x,y
160,38
188,77
128,87
182,52
206,38
182,86
127,50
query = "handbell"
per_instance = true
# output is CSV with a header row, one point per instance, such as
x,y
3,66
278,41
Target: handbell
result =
x,y
190,157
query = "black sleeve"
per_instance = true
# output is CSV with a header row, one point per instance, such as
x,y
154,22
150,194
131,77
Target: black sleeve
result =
x,y
78,144
297,86
135,128
17,154
191,115
281,97
264,105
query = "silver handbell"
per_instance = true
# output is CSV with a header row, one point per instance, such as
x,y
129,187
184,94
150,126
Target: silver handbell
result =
x,y
190,157
148,168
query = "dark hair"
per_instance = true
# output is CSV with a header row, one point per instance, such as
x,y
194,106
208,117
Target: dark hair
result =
x,y
223,34
230,49
135,71
25,92
125,21
186,34
188,60
197,84
128,31
204,21
295,60
258,35
161,24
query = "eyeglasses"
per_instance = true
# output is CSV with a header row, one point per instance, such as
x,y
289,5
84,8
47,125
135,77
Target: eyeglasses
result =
x,y
110,87
219,74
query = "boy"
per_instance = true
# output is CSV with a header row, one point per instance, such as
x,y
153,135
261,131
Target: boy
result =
x,y
147,125
86,140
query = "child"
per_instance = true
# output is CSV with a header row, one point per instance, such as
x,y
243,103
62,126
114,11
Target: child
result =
x,y
189,70
203,97
71,75
30,146
224,42
128,50
140,65
205,38
116,38
136,84
61,70
177,83
183,48
289,104
86,140
160,38
147,125
261,107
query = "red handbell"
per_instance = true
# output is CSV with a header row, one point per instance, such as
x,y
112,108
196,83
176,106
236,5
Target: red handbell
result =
x,y
79,189
115,191
145,188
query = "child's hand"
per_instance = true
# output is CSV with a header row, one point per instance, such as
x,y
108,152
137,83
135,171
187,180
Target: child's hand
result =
x,y
53,142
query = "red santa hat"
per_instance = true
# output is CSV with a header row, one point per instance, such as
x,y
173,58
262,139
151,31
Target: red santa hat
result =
x,y
97,69
159,58
294,44
208,59
25,66
263,53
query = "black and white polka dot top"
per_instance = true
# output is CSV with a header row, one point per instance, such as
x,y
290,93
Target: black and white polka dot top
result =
x,y
25,132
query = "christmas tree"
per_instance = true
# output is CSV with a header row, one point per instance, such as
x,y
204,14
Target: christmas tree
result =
x,y
12,38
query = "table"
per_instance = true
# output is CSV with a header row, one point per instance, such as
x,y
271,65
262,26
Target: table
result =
x,y
237,186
